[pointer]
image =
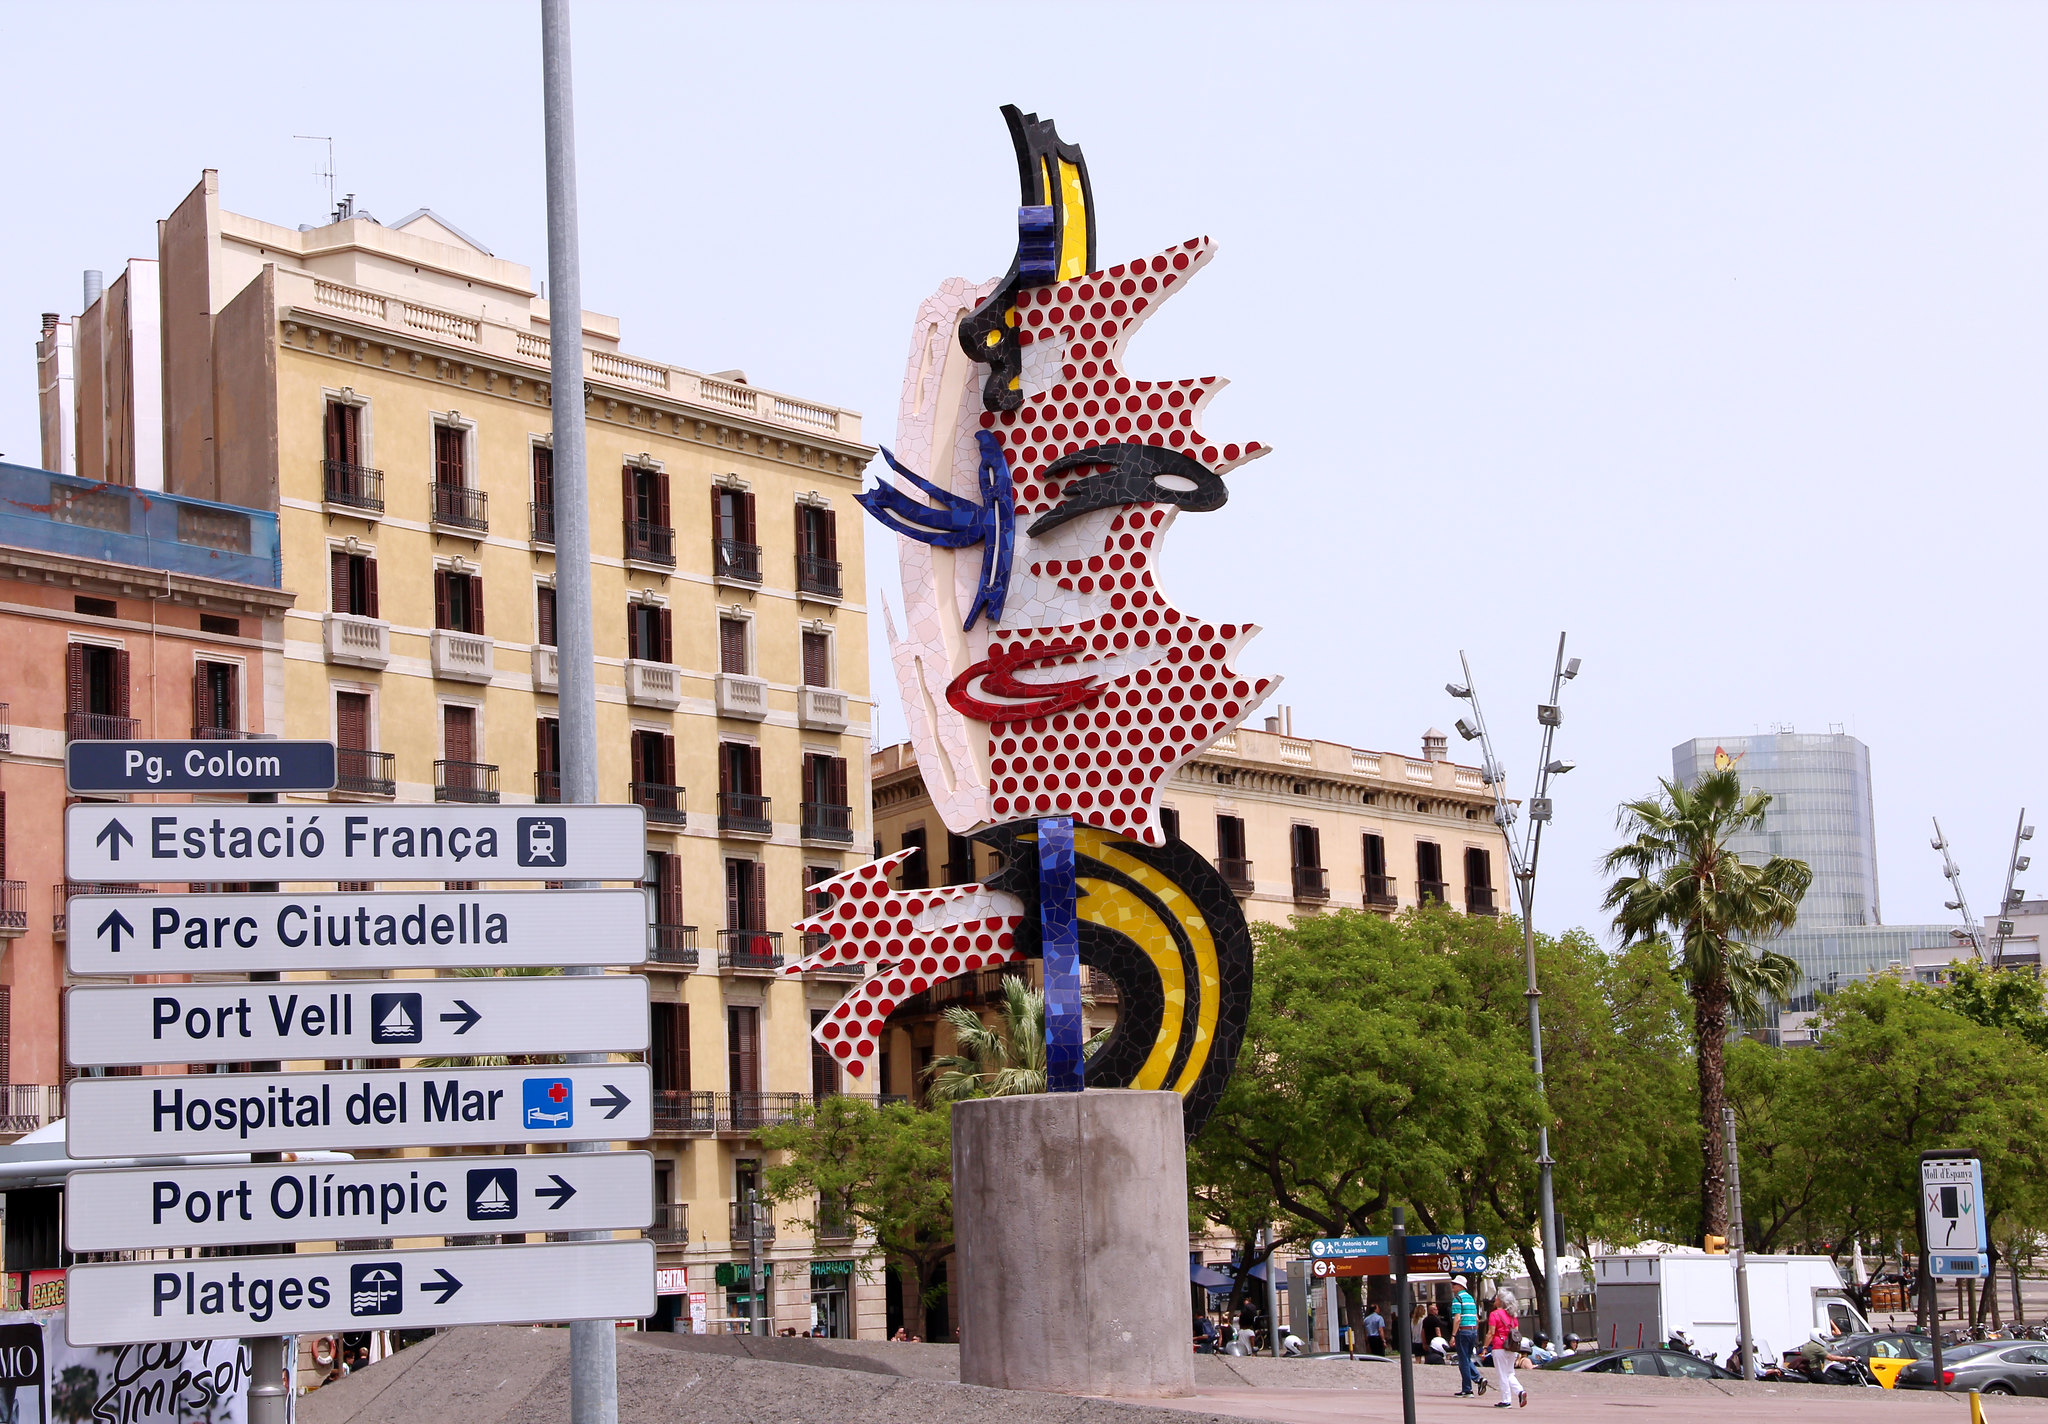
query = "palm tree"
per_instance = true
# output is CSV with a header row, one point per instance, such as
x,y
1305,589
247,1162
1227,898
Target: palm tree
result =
x,y
993,1060
1676,877
496,1060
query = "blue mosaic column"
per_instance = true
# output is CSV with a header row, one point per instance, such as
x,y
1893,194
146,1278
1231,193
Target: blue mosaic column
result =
x,y
1061,936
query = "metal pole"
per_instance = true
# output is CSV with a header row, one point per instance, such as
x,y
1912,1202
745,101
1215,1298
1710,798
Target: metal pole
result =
x,y
270,1399
593,1344
1397,1247
1735,1242
1272,1297
754,1282
2021,831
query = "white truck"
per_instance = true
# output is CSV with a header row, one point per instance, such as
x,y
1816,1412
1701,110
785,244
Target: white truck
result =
x,y
1640,1299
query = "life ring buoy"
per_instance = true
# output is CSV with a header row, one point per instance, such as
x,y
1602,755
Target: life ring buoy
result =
x,y
323,1350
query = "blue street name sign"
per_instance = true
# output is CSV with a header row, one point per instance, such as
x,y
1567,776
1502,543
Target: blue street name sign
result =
x,y
217,766
1339,1247
1465,1245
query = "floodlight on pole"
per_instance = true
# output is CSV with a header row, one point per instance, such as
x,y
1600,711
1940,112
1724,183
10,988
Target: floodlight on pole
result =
x,y
1953,873
2013,894
1524,849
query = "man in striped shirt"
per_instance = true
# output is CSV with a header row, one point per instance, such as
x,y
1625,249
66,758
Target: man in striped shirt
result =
x,y
1465,1332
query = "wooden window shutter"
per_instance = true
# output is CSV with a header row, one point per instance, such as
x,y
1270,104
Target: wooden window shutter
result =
x,y
74,679
352,720
476,603
803,535
626,501
337,579
448,455
6,1037
753,770
668,761
746,503
836,781
757,894
725,756
718,529
541,759
3,835
370,588
458,733
543,476
202,699
830,521
661,498
668,651
334,435
121,683
231,695
639,746
544,616
440,598
632,630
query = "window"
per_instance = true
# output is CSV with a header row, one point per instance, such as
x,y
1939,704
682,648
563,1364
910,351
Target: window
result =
x,y
543,495
654,776
746,895
1379,886
348,480
649,629
824,1068
451,456
1169,822
1479,882
544,615
353,582
826,814
216,709
1231,863
736,555
1429,871
216,623
344,433
959,860
670,1055
1307,844
817,901
96,693
547,759
458,733
817,551
650,533
913,874
741,806
663,888
95,607
6,1037
732,645
817,659
458,601
352,721
743,1049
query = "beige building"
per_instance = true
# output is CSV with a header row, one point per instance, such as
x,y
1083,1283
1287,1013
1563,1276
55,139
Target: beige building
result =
x,y
385,389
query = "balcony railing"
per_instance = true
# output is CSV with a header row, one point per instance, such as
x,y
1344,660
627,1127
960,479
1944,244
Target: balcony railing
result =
x,y
6,729
474,782
366,773
201,732
749,1112
816,575
540,519
1382,891
983,987
731,559
674,945
1311,882
460,507
98,727
67,889
664,803
677,1112
1431,890
762,1228
814,942
650,543
547,788
824,821
354,486
1479,900
1237,874
30,1106
744,812
759,950
830,1225
1100,987
671,1224
13,907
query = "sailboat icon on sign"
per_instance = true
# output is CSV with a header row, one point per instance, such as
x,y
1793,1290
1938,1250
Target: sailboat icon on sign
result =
x,y
394,1018
493,1193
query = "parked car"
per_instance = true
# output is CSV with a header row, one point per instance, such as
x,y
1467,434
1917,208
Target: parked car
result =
x,y
1671,1363
1992,1367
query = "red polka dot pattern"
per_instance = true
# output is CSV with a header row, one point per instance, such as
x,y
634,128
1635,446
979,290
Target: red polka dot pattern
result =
x,y
869,922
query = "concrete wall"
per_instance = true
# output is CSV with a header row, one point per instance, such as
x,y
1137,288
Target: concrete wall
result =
x,y
1070,1213
185,243
242,363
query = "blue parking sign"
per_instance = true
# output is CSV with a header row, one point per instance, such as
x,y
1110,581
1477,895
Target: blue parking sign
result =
x,y
548,1102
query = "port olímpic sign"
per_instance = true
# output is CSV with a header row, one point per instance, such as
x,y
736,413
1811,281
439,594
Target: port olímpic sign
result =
x,y
157,841
435,929
227,766
385,1018
255,1204
125,1302
186,1114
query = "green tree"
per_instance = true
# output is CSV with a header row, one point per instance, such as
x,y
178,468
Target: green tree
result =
x,y
992,1060
887,1169
1676,876
2007,999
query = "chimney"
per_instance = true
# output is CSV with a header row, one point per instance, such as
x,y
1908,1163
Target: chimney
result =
x,y
1273,725
49,322
95,283
1435,746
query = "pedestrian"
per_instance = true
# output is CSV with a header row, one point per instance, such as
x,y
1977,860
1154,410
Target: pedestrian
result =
x,y
1418,1331
1502,1328
1205,1335
1375,1331
1431,1328
1465,1334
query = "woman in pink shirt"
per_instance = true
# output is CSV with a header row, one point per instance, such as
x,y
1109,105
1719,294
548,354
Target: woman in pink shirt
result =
x,y
1501,1329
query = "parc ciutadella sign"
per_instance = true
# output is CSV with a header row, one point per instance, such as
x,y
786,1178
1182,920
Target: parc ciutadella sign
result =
x,y
317,1115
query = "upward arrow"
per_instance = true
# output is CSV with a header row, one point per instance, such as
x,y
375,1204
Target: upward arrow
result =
x,y
117,923
113,835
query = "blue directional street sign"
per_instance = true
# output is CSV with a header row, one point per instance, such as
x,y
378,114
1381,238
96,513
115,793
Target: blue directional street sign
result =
x,y
1467,1245
1338,1247
209,766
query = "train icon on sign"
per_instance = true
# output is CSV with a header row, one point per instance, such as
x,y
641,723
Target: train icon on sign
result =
x,y
542,840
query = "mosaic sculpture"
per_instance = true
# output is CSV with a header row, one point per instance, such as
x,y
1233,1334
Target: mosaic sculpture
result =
x,y
1049,687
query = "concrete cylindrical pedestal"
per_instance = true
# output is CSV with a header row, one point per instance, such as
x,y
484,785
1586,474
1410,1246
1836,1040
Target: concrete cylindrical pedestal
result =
x,y
1070,1220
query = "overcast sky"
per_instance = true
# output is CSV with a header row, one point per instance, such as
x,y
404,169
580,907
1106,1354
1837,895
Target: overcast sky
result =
x,y
1714,334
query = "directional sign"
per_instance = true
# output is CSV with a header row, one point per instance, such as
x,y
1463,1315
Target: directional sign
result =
x,y
180,1115
219,766
1337,1246
439,929
1440,1245
156,841
238,1204
132,1301
412,1018
1342,1267
1952,1203
1958,1266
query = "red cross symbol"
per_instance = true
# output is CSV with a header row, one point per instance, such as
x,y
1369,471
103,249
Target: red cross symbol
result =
x,y
558,1091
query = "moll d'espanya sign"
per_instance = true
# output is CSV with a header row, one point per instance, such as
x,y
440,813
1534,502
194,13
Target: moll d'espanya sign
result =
x,y
312,842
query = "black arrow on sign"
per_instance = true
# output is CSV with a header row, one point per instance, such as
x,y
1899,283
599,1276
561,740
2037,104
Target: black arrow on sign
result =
x,y
561,1191
447,1285
468,1018
617,1101
113,835
118,924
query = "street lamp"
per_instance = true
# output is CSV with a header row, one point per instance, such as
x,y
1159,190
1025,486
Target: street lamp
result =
x,y
1524,847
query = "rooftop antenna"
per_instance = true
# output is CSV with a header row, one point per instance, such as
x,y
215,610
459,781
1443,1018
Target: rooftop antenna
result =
x,y
1954,875
326,174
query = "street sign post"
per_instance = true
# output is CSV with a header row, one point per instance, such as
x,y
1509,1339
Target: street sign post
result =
x,y
420,1107
255,1204
200,1299
155,841
1339,1246
433,929
1952,1211
413,1018
221,767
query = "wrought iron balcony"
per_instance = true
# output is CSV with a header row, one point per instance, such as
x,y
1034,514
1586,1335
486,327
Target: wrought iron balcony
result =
x,y
6,729
1311,882
829,1224
671,1224
69,889
677,1112
98,727
744,812
1237,874
474,782
672,945
816,575
824,821
750,1112
763,1225
759,951
540,521
366,773
651,543
29,1106
354,486
815,942
13,908
201,732
664,803
461,507
1427,891
1479,900
547,788
1382,891
731,559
